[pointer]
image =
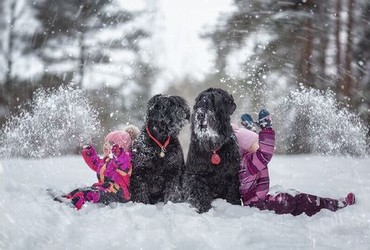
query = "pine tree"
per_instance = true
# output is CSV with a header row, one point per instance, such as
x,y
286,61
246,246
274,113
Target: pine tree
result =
x,y
97,44
361,57
293,42
70,28
17,25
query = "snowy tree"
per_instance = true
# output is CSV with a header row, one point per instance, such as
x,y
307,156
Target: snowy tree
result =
x,y
272,47
17,24
361,64
95,45
69,36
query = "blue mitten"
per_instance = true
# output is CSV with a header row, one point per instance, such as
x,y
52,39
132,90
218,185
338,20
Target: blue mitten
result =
x,y
247,122
264,119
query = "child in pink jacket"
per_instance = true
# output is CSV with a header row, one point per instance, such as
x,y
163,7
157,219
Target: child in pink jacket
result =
x,y
256,151
113,171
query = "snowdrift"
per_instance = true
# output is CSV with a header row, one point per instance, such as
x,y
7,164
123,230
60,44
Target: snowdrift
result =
x,y
29,219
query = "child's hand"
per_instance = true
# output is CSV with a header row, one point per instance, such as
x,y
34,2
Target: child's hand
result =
x,y
86,149
116,150
264,119
86,146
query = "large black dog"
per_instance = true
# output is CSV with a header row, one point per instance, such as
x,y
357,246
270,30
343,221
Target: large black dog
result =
x,y
213,159
158,160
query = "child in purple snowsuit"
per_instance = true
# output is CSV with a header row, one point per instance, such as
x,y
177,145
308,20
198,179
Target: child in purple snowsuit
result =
x,y
257,151
113,172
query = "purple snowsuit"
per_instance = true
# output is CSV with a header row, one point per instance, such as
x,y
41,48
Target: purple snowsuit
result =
x,y
254,184
113,179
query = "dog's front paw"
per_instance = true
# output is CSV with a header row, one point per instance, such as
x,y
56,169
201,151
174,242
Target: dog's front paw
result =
x,y
200,206
141,195
142,198
174,194
204,209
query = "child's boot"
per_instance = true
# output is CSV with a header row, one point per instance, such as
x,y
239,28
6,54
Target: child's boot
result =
x,y
350,199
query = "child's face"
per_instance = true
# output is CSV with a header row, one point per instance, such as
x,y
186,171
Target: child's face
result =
x,y
254,147
107,148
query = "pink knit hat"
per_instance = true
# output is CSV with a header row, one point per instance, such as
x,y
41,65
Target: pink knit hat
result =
x,y
121,138
246,138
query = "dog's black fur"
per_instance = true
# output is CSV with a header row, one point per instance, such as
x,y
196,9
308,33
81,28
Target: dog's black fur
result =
x,y
155,179
211,130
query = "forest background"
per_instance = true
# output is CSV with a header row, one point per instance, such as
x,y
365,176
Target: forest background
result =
x,y
260,51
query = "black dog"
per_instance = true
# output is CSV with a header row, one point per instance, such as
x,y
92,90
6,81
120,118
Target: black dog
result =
x,y
158,160
213,160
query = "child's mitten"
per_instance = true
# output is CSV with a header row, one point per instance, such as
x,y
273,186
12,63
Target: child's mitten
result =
x,y
86,146
264,119
86,149
247,122
116,150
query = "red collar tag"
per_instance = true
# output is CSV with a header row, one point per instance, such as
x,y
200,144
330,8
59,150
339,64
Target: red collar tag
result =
x,y
215,158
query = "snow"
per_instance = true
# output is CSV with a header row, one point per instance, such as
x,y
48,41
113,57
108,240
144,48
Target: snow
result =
x,y
60,120
328,127
30,219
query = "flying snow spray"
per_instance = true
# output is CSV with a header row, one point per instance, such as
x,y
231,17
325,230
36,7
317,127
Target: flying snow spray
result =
x,y
60,119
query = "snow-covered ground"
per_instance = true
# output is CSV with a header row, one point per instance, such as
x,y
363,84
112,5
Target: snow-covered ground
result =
x,y
30,219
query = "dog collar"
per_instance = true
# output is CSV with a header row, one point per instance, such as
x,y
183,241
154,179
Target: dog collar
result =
x,y
162,146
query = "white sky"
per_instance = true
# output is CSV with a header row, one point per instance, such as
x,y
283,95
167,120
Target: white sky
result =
x,y
176,25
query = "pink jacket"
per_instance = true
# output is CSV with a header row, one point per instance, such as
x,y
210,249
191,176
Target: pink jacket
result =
x,y
113,173
253,174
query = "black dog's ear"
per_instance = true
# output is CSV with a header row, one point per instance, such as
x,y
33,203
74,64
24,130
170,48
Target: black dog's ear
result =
x,y
225,98
187,111
199,96
184,111
231,105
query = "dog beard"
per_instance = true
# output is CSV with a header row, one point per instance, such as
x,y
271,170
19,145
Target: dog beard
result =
x,y
204,124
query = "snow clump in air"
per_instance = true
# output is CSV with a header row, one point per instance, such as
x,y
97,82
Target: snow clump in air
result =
x,y
311,120
56,122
